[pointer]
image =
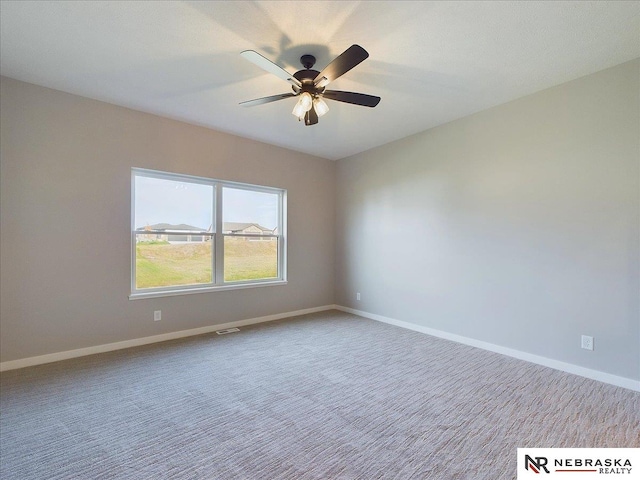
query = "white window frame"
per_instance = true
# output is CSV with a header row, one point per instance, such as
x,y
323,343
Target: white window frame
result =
x,y
217,243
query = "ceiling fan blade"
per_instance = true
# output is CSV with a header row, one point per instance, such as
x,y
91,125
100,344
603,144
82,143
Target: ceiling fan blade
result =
x,y
351,97
344,62
311,117
272,98
266,64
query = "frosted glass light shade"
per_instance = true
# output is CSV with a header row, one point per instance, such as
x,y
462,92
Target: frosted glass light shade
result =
x,y
304,104
320,106
298,110
306,100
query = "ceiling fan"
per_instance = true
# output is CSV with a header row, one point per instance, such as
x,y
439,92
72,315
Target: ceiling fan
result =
x,y
309,85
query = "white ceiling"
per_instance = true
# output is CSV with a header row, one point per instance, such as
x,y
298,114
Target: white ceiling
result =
x,y
431,62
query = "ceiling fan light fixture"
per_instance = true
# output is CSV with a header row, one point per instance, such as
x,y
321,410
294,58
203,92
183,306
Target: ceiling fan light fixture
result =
x,y
320,106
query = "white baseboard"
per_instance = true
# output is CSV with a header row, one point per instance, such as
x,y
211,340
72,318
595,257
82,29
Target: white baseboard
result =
x,y
529,357
81,352
544,361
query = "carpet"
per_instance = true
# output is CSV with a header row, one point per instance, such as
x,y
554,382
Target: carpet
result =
x,y
321,396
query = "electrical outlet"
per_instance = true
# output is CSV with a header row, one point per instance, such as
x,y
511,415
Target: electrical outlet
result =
x,y
587,342
358,296
157,315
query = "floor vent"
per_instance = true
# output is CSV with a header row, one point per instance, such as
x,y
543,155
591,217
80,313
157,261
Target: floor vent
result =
x,y
227,330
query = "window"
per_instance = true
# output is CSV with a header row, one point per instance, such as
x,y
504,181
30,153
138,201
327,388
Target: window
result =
x,y
192,234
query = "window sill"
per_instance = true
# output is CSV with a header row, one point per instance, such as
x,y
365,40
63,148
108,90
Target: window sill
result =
x,y
208,289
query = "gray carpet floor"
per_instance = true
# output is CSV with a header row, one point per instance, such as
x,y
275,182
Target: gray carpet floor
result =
x,y
322,396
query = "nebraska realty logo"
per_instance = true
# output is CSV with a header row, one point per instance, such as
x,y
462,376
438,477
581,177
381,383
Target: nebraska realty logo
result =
x,y
580,462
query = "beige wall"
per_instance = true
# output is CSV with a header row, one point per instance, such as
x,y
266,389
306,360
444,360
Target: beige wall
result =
x,y
65,221
517,226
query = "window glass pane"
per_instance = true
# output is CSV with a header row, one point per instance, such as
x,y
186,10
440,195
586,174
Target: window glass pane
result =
x,y
175,213
245,215
172,205
250,258
164,260
245,212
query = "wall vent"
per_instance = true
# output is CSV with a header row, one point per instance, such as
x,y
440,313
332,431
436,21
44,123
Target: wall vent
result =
x,y
227,330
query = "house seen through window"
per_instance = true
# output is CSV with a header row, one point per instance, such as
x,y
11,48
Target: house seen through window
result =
x,y
191,233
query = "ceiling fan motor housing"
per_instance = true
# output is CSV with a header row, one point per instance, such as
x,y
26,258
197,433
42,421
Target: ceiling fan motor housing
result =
x,y
307,76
